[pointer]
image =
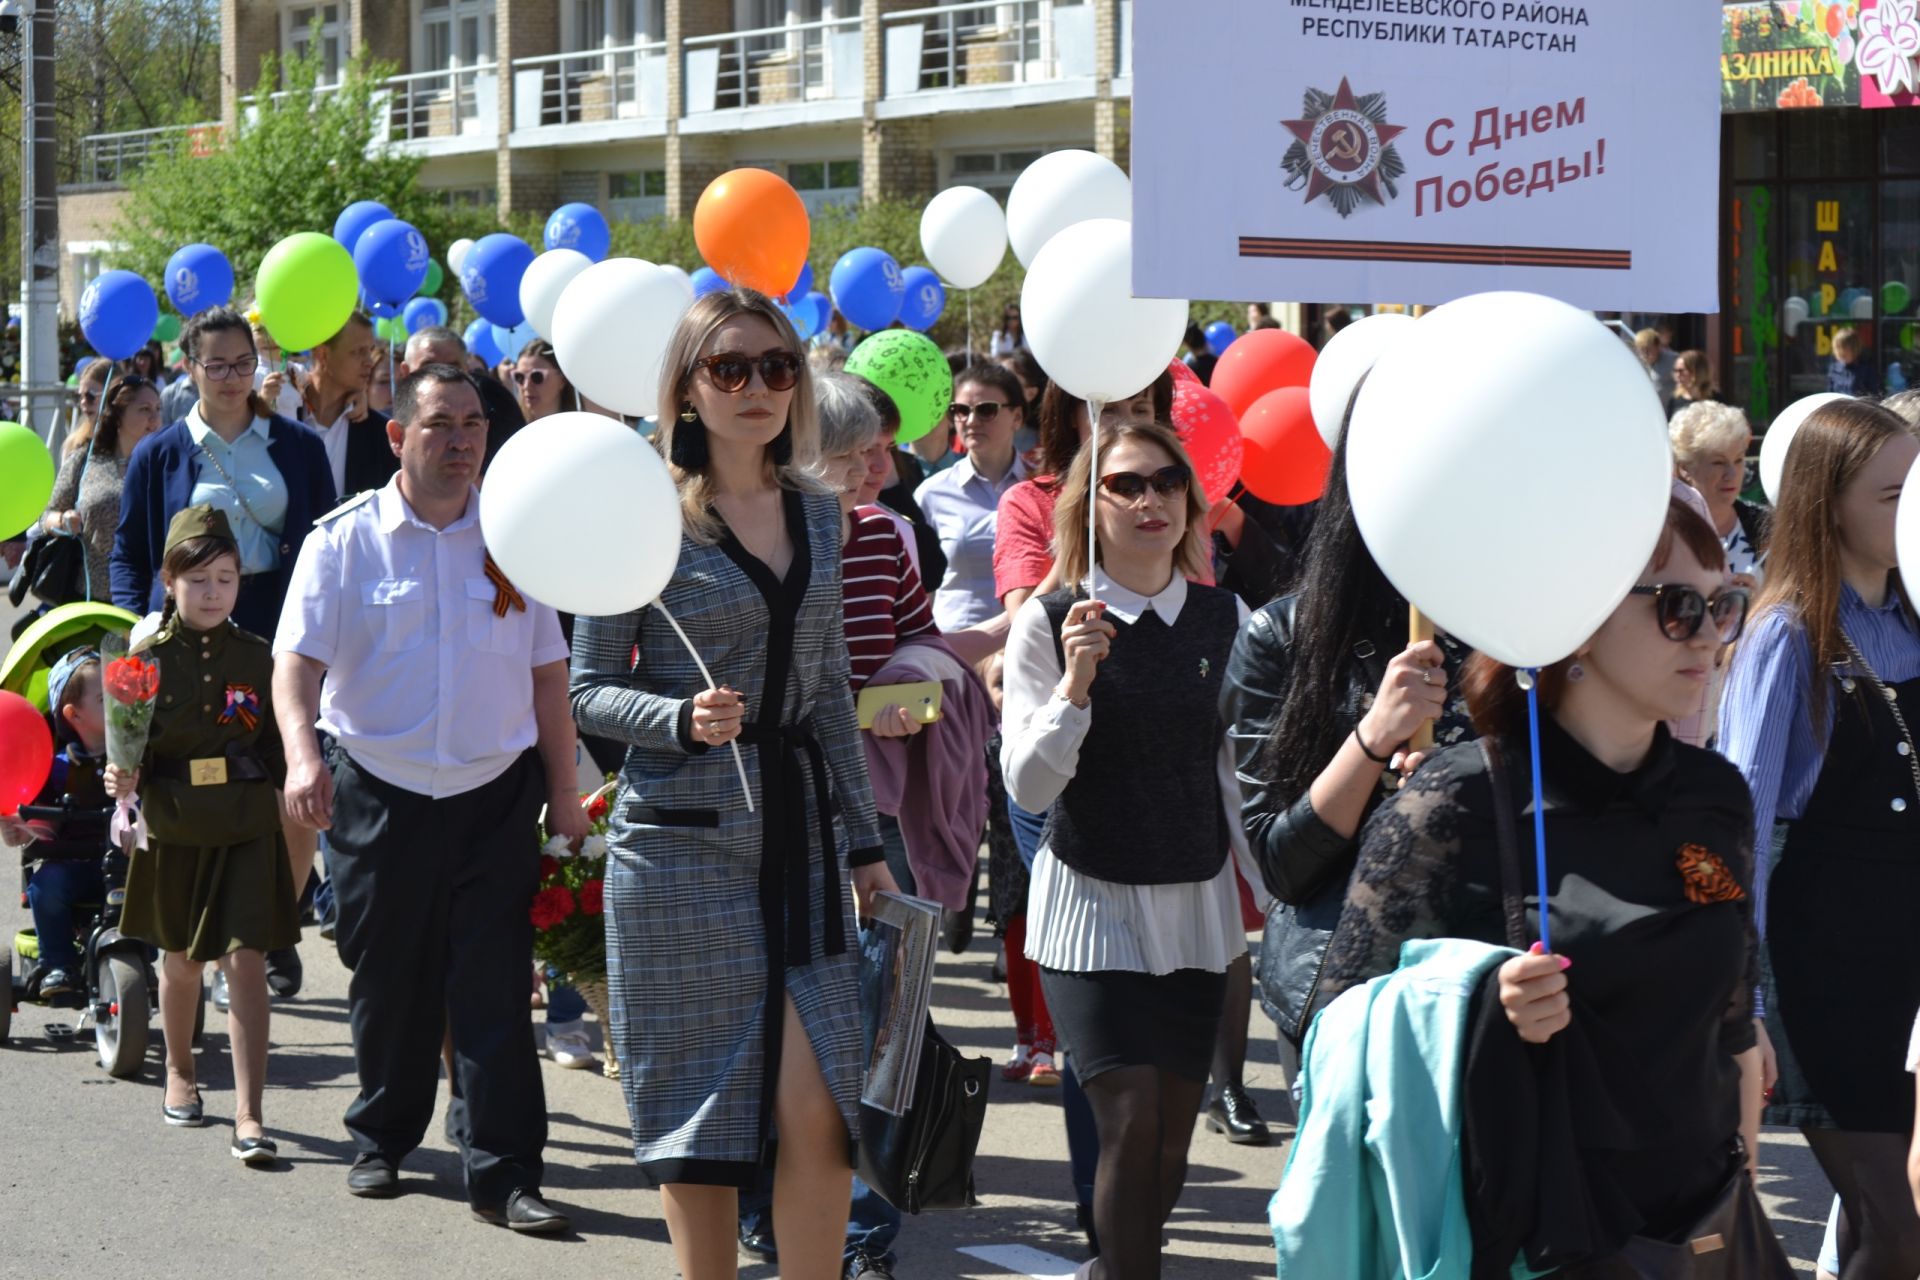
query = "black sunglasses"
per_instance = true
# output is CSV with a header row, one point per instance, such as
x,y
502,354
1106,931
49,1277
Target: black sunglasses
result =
x,y
1682,610
529,377
1128,486
985,411
732,370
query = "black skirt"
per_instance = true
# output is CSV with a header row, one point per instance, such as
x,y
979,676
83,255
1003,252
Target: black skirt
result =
x,y
1118,1018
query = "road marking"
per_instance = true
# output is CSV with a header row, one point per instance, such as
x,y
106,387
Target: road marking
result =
x,y
1023,1260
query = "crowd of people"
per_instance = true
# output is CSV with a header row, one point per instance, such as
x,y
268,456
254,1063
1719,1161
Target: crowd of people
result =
x,y
1212,722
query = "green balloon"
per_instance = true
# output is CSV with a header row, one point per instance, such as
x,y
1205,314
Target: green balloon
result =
x,y
910,368
26,479
166,328
435,277
306,288
392,329
1895,297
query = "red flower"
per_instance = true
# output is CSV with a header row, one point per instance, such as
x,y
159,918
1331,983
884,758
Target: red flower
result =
x,y
551,906
549,867
592,897
598,809
132,680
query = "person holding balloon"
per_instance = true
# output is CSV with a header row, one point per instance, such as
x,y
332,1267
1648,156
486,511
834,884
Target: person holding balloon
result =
x,y
1649,982
1813,718
275,379
731,939
86,496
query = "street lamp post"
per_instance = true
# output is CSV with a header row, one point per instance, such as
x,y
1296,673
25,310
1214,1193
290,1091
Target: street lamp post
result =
x,y
39,218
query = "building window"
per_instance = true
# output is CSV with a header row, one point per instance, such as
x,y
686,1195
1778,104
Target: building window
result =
x,y
468,197
453,33
823,182
637,184
993,171
612,24
298,35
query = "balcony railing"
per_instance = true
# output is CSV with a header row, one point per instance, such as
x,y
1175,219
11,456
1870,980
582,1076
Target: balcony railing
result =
x,y
444,104
111,157
625,83
800,62
962,46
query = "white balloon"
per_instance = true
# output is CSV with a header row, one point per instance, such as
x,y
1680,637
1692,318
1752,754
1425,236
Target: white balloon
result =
x,y
1083,324
964,235
1343,362
679,274
1779,436
1863,308
611,329
457,255
1513,501
580,513
1060,189
1906,533
546,277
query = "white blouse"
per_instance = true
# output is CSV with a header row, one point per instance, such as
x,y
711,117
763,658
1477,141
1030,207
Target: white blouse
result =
x,y
1080,923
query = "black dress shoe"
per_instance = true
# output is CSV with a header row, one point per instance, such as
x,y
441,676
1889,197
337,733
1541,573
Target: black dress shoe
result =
x,y
525,1212
1232,1112
255,1150
1084,1213
285,972
373,1178
191,1116
757,1245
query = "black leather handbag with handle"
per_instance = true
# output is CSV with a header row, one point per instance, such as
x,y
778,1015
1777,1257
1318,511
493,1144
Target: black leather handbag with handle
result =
x,y
924,1159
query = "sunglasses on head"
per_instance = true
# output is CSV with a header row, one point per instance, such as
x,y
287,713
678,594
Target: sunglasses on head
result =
x,y
1681,610
732,370
529,377
1169,482
985,411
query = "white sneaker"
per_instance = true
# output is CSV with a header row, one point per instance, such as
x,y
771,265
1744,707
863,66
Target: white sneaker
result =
x,y
569,1045
221,1000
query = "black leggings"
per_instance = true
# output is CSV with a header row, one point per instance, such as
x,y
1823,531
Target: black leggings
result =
x,y
1879,1231
1145,1118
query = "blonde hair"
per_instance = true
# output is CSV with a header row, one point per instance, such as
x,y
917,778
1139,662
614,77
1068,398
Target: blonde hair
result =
x,y
1190,558
1647,343
1707,426
690,338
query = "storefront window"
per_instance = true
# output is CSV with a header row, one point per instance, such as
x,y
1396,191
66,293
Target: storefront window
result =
x,y
1899,286
1900,141
1829,269
1753,304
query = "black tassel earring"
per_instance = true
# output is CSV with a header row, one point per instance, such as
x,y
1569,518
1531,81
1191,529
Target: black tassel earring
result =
x,y
689,450
783,448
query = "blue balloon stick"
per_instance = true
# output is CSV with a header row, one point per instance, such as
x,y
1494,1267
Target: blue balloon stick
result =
x,y
1539,805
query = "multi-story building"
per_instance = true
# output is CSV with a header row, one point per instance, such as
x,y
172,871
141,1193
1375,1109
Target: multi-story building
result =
x,y
635,105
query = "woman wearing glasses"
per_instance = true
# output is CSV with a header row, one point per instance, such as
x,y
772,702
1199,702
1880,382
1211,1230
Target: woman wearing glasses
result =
x,y
1133,915
732,952
1820,706
86,496
537,380
1649,849
86,409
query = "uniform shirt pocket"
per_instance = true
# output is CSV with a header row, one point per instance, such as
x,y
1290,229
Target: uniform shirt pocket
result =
x,y
396,612
489,632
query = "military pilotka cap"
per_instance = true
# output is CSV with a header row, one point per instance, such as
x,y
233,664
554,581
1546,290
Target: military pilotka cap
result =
x,y
203,521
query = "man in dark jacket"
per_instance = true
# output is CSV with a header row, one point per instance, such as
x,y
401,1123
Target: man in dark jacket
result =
x,y
335,400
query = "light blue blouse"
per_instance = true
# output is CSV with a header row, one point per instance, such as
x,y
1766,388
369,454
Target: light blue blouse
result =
x,y
247,461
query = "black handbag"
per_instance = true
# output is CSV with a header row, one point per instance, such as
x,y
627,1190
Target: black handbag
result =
x,y
54,569
924,1159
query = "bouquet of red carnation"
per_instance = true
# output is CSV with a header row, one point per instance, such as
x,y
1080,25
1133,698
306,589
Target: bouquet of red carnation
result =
x,y
568,930
131,683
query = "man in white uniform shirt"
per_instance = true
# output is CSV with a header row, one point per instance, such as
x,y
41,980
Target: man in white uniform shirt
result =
x,y
446,694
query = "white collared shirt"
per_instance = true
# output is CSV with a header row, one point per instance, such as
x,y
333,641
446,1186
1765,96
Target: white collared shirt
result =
x,y
335,438
961,506
426,688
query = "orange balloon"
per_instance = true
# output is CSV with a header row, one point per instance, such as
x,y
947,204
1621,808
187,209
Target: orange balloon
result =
x,y
1286,461
752,229
1258,362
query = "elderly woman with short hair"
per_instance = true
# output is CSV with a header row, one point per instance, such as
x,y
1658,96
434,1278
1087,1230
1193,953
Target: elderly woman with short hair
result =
x,y
1710,443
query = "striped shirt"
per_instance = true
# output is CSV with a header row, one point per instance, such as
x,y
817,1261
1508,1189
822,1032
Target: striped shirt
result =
x,y
885,602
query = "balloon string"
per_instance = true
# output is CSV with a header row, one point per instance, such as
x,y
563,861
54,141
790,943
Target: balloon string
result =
x,y
392,391
739,764
1095,406
1532,683
969,326
576,399
1219,511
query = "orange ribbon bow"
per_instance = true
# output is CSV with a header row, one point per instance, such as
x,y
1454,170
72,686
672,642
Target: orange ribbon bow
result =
x,y
505,595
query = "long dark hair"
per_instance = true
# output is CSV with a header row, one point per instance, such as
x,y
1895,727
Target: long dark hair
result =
x,y
193,338
1060,421
113,409
1343,599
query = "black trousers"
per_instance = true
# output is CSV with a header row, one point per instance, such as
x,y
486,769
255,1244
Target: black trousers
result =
x,y
433,899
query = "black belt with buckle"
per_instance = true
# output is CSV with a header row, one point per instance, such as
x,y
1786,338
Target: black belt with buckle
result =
x,y
212,771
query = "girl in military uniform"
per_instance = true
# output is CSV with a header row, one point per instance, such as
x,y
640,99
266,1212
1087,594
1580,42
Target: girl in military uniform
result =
x,y
213,883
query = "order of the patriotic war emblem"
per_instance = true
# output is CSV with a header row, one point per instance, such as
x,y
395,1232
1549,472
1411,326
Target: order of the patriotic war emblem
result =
x,y
1343,149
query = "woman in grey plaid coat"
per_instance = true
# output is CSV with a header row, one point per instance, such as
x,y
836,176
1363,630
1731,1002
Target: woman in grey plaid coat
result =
x,y
731,945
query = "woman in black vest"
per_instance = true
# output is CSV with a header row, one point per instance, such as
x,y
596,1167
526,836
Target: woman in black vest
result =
x,y
1112,729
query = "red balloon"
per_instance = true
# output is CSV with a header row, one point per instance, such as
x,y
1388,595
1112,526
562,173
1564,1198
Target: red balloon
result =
x,y
1258,362
26,752
1210,434
1286,460
1183,372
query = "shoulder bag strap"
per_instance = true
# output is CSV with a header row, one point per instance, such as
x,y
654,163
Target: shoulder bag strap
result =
x,y
1513,899
238,496
1893,705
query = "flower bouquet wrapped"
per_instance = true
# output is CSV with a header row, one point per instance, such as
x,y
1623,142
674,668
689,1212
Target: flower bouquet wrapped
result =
x,y
569,929
131,684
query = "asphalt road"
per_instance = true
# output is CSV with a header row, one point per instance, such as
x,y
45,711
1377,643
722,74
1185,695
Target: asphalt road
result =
x,y
95,1184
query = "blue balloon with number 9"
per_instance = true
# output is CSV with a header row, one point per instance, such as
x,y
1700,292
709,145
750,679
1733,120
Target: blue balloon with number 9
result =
x,y
868,287
392,258
925,299
198,277
117,314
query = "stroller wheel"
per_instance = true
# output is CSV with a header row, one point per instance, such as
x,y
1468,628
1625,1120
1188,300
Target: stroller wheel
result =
x,y
120,1022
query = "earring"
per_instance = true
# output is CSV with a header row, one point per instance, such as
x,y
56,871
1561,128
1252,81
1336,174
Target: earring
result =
x,y
687,413
1576,673
689,449
783,448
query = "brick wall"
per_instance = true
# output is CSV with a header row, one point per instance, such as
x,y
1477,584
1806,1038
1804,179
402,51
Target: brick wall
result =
x,y
249,31
896,159
693,160
384,29
527,180
85,215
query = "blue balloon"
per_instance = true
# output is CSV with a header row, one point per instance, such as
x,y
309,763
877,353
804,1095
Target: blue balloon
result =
x,y
803,286
926,299
379,310
510,341
1220,336
355,219
117,314
801,313
868,288
392,258
705,281
822,309
581,227
479,340
198,277
491,277
424,313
